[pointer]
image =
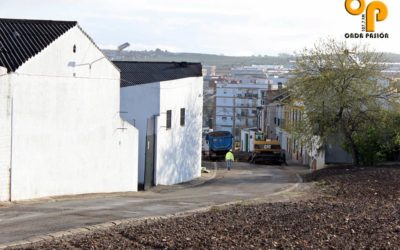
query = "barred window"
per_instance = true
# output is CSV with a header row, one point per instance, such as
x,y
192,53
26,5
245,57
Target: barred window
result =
x,y
182,116
169,117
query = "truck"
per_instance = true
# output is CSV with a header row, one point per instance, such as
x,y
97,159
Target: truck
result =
x,y
219,143
268,151
204,144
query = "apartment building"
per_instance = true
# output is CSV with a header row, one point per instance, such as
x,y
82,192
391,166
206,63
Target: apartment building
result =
x,y
237,105
240,99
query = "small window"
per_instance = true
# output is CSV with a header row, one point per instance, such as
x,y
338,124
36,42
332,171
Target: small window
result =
x,y
182,117
169,116
74,49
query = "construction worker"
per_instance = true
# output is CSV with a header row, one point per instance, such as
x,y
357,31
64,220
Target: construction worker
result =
x,y
229,158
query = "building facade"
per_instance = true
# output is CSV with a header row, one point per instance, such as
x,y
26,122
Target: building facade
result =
x,y
60,126
240,99
164,100
236,106
281,117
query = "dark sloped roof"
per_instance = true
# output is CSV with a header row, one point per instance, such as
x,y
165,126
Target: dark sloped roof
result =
x,y
21,39
133,73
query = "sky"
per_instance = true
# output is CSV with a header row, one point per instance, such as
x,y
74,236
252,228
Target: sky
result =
x,y
228,27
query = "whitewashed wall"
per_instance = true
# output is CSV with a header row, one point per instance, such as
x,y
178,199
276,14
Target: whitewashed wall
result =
x,y
5,134
66,129
243,134
317,156
251,140
282,137
179,148
139,103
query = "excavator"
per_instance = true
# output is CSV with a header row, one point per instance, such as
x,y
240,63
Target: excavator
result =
x,y
267,151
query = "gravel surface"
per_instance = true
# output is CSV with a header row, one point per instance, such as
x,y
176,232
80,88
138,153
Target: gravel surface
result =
x,y
360,208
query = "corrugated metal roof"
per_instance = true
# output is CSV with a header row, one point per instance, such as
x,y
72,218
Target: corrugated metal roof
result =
x,y
21,39
133,73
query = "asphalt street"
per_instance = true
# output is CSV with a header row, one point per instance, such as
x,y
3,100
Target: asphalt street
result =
x,y
24,220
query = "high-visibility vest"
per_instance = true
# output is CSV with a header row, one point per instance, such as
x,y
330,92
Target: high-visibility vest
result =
x,y
229,156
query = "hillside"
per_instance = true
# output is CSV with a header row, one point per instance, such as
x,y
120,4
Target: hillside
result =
x,y
223,63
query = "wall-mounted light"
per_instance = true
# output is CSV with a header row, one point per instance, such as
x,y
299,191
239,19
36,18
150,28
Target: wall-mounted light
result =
x,y
71,64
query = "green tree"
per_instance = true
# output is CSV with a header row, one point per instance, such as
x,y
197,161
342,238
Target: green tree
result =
x,y
379,142
342,90
370,144
391,133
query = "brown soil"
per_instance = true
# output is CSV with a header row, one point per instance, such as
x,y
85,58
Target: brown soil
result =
x,y
360,209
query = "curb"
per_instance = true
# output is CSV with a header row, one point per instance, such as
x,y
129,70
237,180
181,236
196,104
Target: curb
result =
x,y
190,184
294,186
7,204
107,225
213,176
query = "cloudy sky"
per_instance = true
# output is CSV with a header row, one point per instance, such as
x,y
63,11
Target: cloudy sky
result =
x,y
229,27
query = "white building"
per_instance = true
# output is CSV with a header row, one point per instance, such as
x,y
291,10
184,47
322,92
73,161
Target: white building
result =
x,y
239,100
236,106
249,72
209,70
60,129
248,136
261,72
164,101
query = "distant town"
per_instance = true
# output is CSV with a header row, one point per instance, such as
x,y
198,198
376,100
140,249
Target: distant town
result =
x,y
246,96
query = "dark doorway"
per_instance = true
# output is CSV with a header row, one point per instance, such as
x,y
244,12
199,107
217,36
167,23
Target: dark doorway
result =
x,y
246,143
150,154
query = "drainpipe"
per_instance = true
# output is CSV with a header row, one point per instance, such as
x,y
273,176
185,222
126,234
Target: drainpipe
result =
x,y
155,139
155,148
11,149
4,73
